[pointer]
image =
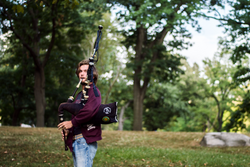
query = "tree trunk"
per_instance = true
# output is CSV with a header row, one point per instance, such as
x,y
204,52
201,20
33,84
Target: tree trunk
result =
x,y
16,116
121,120
40,96
18,101
138,98
220,122
121,116
138,107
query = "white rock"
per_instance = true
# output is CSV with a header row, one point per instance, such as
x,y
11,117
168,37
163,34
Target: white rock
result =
x,y
26,126
223,139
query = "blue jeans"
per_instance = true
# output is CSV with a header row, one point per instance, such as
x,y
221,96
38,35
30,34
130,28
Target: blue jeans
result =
x,y
83,153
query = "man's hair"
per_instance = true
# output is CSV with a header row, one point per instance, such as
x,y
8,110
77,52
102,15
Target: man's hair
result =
x,y
86,62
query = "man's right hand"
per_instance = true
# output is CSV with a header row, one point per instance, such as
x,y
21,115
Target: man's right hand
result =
x,y
66,132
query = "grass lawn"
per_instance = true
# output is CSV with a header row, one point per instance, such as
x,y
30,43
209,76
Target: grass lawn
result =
x,y
44,147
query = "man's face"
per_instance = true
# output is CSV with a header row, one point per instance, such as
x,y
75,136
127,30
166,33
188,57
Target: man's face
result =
x,y
83,72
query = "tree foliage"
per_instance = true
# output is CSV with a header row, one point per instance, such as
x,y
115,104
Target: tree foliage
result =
x,y
162,102
192,89
150,23
220,72
16,83
236,40
236,24
239,117
48,29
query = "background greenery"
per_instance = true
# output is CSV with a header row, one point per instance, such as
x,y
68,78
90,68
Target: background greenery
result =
x,y
42,42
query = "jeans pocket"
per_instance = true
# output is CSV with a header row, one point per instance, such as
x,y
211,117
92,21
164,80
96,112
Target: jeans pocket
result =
x,y
81,153
81,141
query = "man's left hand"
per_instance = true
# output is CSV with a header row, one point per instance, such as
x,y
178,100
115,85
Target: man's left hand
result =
x,y
65,125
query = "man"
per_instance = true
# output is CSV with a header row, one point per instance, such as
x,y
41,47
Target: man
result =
x,y
81,138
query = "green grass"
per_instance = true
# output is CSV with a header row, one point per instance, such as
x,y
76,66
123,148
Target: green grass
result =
x,y
44,147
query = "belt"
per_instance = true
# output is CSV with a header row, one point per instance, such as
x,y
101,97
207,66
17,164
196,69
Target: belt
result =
x,y
75,137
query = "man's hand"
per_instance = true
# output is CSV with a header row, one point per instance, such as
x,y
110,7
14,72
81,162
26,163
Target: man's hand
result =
x,y
66,132
65,125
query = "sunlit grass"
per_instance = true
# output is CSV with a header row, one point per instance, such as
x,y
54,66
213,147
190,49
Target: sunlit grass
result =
x,y
44,147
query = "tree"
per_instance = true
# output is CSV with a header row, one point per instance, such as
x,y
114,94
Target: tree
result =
x,y
151,22
220,74
239,117
38,25
162,103
237,27
192,87
236,22
16,82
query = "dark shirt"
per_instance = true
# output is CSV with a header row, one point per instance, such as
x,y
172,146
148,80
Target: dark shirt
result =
x,y
77,130
90,132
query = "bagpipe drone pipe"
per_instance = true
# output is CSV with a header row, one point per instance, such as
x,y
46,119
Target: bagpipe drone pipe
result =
x,y
107,113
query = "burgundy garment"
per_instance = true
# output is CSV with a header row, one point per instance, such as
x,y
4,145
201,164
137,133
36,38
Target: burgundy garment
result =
x,y
90,132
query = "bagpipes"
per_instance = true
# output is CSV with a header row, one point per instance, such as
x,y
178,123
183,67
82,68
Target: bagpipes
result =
x,y
107,113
